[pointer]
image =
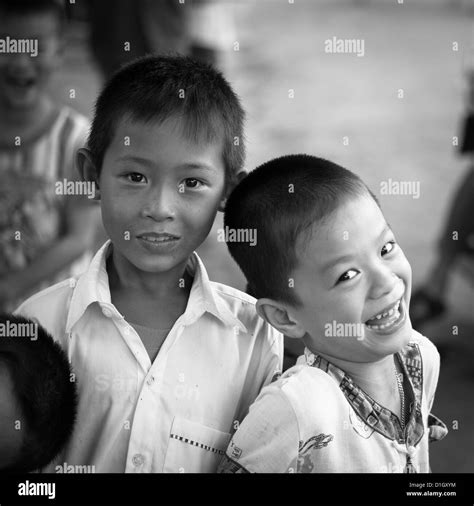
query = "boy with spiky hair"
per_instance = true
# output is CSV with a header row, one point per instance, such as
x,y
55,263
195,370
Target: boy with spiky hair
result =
x,y
37,396
169,362
360,398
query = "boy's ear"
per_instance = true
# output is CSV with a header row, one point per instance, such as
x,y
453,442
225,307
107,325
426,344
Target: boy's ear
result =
x,y
230,187
278,317
87,169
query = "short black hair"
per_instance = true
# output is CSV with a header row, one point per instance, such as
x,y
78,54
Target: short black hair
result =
x,y
26,7
281,200
155,88
44,388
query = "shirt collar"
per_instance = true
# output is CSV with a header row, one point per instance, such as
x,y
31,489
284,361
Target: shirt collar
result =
x,y
203,297
93,286
376,416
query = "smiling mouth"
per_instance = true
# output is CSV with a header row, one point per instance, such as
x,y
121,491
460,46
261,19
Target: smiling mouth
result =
x,y
388,319
154,238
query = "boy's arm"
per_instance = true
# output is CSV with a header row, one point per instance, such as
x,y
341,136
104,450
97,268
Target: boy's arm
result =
x,y
431,366
81,220
267,440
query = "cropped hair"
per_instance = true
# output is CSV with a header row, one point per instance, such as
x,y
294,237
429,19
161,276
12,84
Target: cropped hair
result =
x,y
280,201
155,88
44,389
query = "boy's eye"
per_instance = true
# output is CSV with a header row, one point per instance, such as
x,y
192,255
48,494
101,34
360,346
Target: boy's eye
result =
x,y
388,247
136,177
192,183
350,274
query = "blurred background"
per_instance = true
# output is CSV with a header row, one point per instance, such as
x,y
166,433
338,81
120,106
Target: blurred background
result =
x,y
391,113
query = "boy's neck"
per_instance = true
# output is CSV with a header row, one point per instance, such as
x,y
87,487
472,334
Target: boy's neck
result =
x,y
151,300
157,286
375,378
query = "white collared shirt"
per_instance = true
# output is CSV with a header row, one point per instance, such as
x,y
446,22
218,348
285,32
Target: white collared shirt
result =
x,y
177,413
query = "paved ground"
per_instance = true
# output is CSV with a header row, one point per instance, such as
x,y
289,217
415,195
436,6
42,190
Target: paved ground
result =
x,y
407,47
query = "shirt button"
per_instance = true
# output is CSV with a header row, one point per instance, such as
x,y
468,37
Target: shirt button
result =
x,y
150,380
138,459
106,312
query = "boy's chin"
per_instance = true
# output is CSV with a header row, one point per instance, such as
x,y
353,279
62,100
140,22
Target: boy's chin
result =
x,y
394,343
155,264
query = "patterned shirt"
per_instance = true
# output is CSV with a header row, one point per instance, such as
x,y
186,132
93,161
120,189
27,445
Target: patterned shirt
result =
x,y
31,213
315,419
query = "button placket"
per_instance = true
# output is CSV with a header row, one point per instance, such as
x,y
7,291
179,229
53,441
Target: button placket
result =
x,y
150,380
144,416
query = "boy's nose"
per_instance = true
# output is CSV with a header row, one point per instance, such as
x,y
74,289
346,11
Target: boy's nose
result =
x,y
159,205
384,282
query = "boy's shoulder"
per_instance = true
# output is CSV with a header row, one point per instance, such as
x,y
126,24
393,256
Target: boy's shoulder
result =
x,y
243,307
305,389
237,301
67,126
301,376
421,347
73,115
50,307
423,362
71,126
233,294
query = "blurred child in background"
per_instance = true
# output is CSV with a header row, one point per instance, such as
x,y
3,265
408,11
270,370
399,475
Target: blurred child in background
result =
x,y
45,235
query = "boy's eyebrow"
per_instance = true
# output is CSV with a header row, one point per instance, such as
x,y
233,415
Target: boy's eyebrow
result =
x,y
150,163
336,261
344,258
197,166
137,159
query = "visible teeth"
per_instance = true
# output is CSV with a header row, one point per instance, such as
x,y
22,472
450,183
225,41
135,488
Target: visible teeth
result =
x,y
157,239
387,313
396,316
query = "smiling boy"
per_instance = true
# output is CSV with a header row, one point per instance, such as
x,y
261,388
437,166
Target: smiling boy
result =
x,y
359,400
168,361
